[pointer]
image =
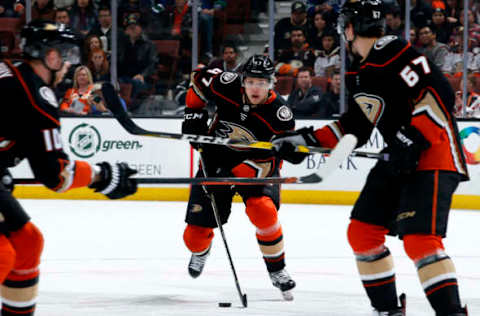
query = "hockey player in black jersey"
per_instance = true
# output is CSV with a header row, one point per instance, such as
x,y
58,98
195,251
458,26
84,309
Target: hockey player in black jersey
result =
x,y
246,108
30,129
406,97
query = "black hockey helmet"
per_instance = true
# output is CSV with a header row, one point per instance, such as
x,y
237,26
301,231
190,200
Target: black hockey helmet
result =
x,y
38,37
259,66
366,16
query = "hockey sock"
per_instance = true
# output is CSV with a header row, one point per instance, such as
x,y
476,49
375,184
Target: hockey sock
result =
x,y
374,263
263,214
197,238
19,289
436,272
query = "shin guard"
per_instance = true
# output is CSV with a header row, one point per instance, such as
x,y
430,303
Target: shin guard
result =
x,y
19,290
263,214
374,263
435,270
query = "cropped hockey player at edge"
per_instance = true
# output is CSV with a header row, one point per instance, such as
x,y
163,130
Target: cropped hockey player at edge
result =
x,y
30,128
397,90
246,108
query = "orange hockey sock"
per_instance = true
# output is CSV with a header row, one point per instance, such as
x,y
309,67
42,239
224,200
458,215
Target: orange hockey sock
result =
x,y
197,238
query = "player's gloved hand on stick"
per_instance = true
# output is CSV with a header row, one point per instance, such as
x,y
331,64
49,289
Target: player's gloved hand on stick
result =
x,y
195,122
405,150
115,180
286,143
6,179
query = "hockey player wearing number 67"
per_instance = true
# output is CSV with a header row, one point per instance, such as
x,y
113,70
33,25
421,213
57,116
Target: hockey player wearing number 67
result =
x,y
246,108
30,128
397,90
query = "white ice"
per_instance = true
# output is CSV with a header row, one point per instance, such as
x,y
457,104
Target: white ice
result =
x,y
106,258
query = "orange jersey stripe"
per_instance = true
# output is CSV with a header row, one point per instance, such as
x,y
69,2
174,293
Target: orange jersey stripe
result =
x,y
193,101
390,60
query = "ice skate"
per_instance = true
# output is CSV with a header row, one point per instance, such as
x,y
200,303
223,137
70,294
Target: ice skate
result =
x,y
282,280
197,262
394,312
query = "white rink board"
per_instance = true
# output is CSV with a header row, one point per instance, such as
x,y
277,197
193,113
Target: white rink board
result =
x,y
99,139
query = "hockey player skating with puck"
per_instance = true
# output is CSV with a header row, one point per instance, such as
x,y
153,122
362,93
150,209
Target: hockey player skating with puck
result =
x,y
246,108
397,90
30,128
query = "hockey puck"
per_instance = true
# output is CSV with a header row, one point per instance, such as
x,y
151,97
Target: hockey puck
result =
x,y
224,304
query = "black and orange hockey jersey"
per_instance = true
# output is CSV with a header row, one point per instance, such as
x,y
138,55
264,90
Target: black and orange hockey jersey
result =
x,y
394,86
237,119
30,128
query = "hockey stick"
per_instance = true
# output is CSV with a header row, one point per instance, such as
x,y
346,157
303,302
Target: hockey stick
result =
x,y
243,297
112,103
337,156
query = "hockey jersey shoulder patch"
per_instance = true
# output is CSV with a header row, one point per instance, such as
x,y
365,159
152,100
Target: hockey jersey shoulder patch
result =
x,y
384,41
371,105
284,113
48,95
5,71
228,77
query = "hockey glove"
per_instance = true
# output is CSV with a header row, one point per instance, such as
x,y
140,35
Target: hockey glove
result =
x,y
195,122
115,180
405,150
286,143
6,179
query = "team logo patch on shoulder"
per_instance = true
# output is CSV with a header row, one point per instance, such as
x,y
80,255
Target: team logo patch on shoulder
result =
x,y
47,94
371,105
228,77
384,41
284,113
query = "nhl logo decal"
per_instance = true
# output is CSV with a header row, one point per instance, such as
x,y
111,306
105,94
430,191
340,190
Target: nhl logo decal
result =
x,y
284,113
228,77
48,95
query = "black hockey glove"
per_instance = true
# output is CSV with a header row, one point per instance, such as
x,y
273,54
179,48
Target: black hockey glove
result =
x,y
6,179
405,150
115,180
195,122
285,144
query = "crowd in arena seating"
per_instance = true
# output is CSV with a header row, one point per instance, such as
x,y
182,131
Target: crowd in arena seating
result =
x,y
155,45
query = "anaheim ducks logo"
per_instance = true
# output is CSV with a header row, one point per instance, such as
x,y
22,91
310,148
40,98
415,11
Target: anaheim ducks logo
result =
x,y
234,131
371,105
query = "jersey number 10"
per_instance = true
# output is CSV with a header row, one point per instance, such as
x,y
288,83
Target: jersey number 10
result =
x,y
410,76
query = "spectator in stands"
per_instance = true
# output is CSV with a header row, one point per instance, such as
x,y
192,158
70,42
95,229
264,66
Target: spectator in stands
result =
x,y
62,16
43,10
229,62
283,28
6,9
421,13
473,100
454,60
98,65
442,26
299,54
452,10
305,99
413,37
137,56
90,43
83,16
314,6
435,51
330,101
322,22
80,99
328,59
104,28
394,24
473,30
206,19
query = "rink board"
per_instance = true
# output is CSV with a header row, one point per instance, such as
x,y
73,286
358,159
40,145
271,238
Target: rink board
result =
x,y
99,139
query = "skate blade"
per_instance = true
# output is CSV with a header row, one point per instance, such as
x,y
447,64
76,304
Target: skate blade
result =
x,y
287,295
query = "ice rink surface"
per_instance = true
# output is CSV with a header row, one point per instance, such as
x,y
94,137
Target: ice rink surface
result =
x,y
113,258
